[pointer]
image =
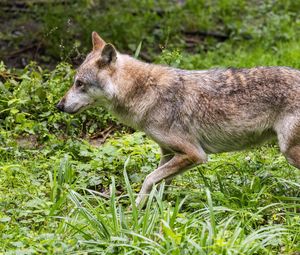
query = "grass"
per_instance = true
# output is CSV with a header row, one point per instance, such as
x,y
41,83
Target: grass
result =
x,y
60,194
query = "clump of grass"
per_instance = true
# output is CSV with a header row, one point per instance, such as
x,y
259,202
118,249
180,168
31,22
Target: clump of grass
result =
x,y
105,225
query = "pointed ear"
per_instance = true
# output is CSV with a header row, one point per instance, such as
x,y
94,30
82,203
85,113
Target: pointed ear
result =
x,y
98,42
109,54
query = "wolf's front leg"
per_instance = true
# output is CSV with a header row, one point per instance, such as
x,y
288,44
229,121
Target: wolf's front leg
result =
x,y
176,165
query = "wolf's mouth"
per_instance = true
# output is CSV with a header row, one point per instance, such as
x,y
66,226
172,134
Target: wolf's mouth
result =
x,y
77,110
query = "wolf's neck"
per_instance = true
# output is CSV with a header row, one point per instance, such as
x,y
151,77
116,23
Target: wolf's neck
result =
x,y
139,85
135,72
133,78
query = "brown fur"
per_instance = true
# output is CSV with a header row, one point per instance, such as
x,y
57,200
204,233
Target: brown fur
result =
x,y
191,113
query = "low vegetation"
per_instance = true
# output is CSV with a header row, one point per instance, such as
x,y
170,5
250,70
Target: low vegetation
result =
x,y
67,182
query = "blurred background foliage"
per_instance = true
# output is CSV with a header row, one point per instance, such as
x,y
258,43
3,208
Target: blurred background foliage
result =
x,y
53,31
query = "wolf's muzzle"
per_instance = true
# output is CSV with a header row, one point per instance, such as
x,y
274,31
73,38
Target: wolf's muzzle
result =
x,y
60,106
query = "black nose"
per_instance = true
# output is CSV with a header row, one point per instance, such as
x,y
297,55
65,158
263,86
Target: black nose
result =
x,y
60,106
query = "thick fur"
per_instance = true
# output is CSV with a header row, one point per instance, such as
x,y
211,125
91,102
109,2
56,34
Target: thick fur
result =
x,y
191,113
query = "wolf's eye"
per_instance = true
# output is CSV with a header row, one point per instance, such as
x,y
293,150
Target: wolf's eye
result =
x,y
79,84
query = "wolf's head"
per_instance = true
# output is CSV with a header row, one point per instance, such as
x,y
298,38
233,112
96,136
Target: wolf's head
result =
x,y
92,83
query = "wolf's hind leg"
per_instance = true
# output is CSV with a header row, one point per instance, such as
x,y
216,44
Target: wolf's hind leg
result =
x,y
288,132
293,155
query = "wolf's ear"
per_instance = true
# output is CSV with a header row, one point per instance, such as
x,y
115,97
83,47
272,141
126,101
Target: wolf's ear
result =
x,y
98,42
109,54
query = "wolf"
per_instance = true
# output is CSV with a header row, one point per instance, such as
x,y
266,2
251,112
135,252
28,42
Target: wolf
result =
x,y
190,113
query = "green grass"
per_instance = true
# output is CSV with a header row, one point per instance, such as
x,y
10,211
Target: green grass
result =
x,y
59,194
